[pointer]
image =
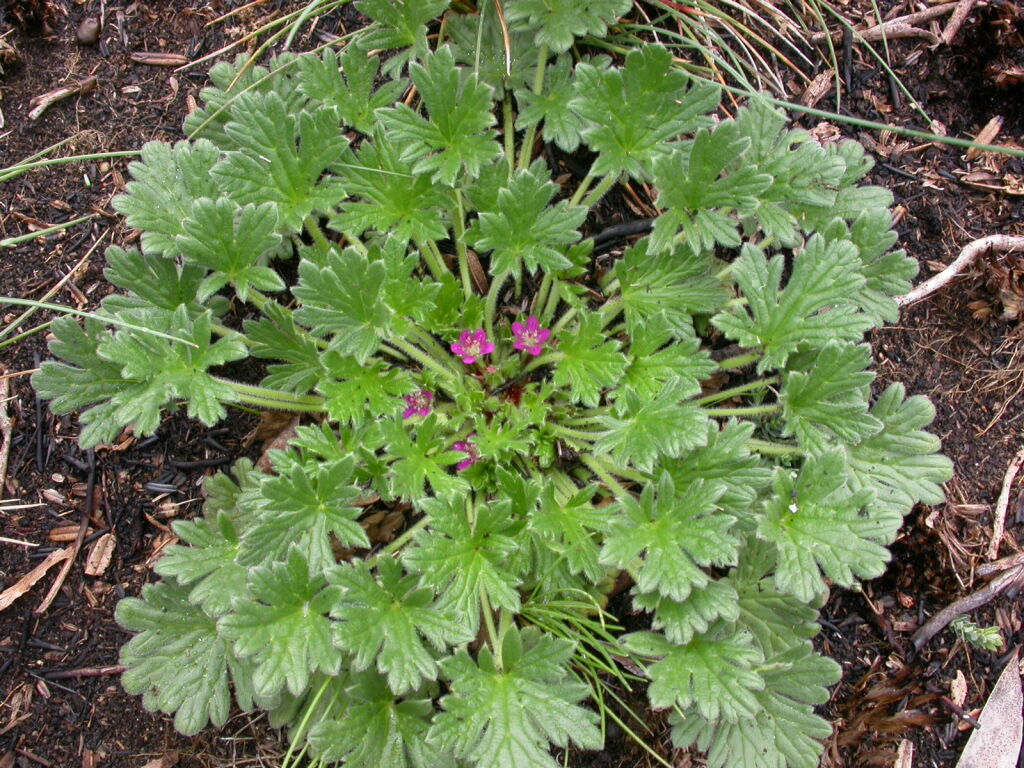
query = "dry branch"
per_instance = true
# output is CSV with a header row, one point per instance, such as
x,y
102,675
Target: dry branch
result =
x,y
40,104
889,29
970,254
999,517
1013,574
960,14
26,582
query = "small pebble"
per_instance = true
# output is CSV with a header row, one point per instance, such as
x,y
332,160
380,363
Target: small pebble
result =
x,y
88,31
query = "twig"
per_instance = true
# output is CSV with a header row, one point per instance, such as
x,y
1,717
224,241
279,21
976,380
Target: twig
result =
x,y
959,711
938,622
113,669
26,582
999,516
40,104
889,29
77,546
970,253
960,14
6,430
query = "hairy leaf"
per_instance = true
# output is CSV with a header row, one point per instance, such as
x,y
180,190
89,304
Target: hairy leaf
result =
x,y
387,622
590,362
666,537
557,25
284,627
508,717
810,310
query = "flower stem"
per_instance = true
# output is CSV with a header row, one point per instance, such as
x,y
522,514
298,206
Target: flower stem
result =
x,y
426,340
574,434
750,410
274,399
526,152
460,244
419,356
725,394
739,361
774,449
510,133
581,190
610,310
537,362
491,303
541,296
433,258
604,476
492,632
316,233
606,183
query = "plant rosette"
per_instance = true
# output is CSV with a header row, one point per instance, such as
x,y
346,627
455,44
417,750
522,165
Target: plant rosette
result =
x,y
688,419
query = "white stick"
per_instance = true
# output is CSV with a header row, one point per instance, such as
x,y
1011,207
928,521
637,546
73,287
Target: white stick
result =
x,y
999,520
970,253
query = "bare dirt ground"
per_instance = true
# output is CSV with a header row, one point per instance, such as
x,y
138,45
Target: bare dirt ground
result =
x,y
60,700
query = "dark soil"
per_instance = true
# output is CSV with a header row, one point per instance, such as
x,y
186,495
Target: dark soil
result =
x,y
60,700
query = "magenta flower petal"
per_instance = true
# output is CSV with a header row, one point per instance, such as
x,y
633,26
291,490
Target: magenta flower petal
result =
x,y
466,447
471,345
530,337
418,404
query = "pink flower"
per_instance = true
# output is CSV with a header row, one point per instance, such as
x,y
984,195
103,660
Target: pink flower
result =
x,y
418,404
467,447
531,336
471,345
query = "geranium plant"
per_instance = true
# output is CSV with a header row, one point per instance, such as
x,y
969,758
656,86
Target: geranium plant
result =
x,y
684,423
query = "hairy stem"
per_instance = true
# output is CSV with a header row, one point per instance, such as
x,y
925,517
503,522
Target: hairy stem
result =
x,y
460,244
740,389
768,448
604,476
750,410
739,361
526,152
491,304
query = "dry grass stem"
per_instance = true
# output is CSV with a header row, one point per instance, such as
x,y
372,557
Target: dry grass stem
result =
x,y
40,104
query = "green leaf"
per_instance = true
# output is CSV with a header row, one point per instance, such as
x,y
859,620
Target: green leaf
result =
x,y
813,522
281,157
310,509
210,562
887,273
779,320
785,733
155,281
400,23
394,199
233,78
680,285
387,622
458,134
726,460
658,358
699,199
165,181
680,621
557,25
634,113
275,336
345,81
830,401
666,537
717,677
234,242
357,393
642,432
524,229
168,370
562,125
508,717
461,561
478,41
377,730
343,298
571,528
178,660
421,460
589,362
901,464
284,627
